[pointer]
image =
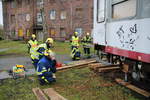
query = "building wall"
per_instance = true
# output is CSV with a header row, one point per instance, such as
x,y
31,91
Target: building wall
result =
x,y
78,15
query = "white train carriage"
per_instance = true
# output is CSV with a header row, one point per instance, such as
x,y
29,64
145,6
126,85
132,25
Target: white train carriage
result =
x,y
122,27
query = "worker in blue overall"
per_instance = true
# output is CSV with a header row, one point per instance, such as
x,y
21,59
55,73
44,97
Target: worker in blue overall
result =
x,y
46,68
45,47
40,50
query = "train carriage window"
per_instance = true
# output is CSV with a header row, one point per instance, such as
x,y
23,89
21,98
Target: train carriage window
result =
x,y
123,8
145,9
100,10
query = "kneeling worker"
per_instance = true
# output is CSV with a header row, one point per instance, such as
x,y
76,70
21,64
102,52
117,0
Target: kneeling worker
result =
x,y
45,47
46,68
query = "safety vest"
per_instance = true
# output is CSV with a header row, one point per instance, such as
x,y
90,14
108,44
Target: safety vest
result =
x,y
33,45
75,41
86,41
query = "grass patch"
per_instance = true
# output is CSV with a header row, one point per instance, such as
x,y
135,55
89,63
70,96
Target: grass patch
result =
x,y
20,48
13,47
73,84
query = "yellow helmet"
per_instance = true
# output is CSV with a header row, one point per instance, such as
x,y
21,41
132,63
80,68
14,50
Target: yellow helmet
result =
x,y
33,36
75,33
50,40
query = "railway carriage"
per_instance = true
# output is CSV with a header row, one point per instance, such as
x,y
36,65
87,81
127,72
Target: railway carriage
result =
x,y
122,29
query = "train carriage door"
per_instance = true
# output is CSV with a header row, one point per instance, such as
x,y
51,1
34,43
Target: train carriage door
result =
x,y
99,22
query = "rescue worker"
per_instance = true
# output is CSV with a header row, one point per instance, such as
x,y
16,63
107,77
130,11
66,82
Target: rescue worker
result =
x,y
32,49
75,53
46,68
32,44
42,48
86,41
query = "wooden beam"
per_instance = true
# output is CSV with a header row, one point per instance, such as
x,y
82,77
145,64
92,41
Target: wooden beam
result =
x,y
107,69
107,66
86,62
134,88
53,95
94,65
39,94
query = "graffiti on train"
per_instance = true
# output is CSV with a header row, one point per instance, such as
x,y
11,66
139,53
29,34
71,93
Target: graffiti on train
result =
x,y
128,36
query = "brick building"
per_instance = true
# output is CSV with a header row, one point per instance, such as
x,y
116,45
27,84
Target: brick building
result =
x,y
61,18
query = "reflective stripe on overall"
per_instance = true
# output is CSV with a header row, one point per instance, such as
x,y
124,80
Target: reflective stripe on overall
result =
x,y
86,41
33,45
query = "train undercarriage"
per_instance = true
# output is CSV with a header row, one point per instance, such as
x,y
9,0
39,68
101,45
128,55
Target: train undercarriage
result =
x,y
138,72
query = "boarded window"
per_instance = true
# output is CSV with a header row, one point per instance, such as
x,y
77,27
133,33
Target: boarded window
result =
x,y
62,32
100,10
52,14
63,15
79,12
13,19
52,32
20,33
123,8
145,9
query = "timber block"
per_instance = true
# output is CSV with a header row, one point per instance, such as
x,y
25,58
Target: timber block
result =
x,y
53,95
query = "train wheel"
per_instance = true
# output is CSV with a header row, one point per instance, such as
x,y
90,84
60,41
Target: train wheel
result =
x,y
136,73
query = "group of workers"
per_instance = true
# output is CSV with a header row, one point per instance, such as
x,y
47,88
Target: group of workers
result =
x,y
85,41
43,58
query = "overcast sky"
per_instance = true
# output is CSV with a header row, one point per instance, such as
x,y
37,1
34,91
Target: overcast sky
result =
x,y
1,18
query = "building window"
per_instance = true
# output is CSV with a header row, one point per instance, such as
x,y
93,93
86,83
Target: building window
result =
x,y
123,8
52,14
40,3
63,15
20,18
80,31
39,18
100,10
13,19
13,4
62,32
13,32
52,1
19,3
52,32
145,9
79,12
27,2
